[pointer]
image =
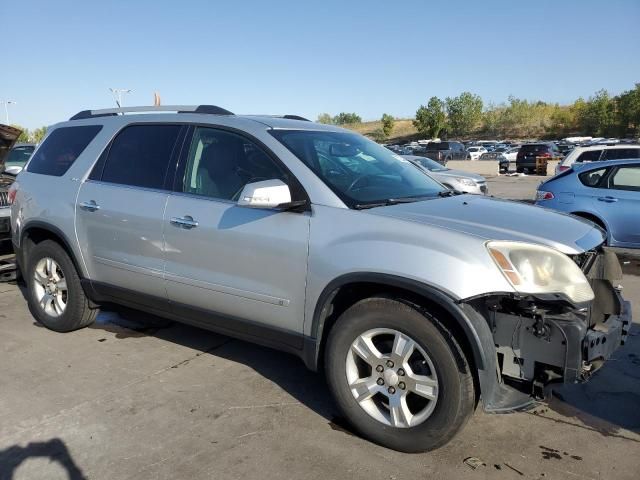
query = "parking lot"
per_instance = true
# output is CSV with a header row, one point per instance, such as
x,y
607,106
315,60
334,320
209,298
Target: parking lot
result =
x,y
135,396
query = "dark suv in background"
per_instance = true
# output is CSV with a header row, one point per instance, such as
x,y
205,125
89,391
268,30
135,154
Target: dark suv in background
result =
x,y
442,152
526,159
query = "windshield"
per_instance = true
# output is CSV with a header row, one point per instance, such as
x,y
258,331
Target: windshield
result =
x,y
18,156
358,170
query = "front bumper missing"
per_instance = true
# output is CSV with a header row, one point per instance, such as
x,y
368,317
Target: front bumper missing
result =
x,y
540,341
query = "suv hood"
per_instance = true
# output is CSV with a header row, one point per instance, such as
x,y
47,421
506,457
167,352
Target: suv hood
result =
x,y
493,219
8,137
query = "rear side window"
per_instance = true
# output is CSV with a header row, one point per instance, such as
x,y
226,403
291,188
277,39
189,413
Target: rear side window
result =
x,y
140,156
621,153
61,148
593,178
589,156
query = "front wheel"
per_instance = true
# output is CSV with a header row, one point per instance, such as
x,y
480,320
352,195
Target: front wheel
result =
x,y
55,294
398,375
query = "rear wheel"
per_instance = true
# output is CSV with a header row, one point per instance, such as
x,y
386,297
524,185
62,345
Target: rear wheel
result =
x,y
398,375
55,295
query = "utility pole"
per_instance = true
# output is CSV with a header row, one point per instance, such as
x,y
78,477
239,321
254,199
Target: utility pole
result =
x,y
6,108
117,94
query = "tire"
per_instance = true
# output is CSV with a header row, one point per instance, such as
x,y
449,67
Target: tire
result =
x,y
454,391
77,312
519,170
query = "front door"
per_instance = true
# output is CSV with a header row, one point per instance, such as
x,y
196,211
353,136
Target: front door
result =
x,y
249,265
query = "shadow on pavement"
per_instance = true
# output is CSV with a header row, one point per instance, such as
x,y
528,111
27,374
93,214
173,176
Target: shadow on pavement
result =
x,y
610,400
55,450
285,370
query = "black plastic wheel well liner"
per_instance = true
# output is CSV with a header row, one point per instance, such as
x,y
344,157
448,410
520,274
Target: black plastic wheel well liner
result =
x,y
590,216
357,286
37,232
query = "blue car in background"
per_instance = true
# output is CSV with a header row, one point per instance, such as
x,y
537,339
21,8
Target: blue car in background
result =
x,y
607,193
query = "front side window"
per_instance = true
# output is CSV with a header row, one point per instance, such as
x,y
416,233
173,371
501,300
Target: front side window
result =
x,y
140,156
221,163
626,178
358,170
61,148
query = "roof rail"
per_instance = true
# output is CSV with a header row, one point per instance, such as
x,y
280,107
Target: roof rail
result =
x,y
296,117
108,112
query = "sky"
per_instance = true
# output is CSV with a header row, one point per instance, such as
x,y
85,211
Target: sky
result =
x,y
309,57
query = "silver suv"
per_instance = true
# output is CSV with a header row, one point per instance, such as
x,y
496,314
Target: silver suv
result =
x,y
416,302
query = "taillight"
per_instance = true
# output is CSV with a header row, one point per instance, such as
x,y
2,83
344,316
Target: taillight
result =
x,y
545,154
13,190
563,168
542,195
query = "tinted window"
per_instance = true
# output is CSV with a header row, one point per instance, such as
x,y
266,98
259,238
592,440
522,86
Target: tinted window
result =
x,y
626,178
589,156
61,148
140,155
221,163
535,148
593,177
621,153
438,146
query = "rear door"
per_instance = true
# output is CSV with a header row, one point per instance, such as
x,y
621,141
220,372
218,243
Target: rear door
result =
x,y
119,213
619,204
247,265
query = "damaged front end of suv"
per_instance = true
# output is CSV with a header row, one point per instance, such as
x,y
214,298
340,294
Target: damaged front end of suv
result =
x,y
565,319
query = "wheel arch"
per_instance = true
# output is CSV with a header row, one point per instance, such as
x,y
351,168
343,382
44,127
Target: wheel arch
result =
x,y
35,232
344,291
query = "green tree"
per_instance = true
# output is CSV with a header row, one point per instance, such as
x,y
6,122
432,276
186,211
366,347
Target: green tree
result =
x,y
388,123
628,112
597,116
37,135
464,113
324,118
344,118
431,120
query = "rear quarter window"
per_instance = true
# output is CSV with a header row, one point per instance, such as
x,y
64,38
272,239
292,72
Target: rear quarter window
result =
x,y
61,148
593,178
589,156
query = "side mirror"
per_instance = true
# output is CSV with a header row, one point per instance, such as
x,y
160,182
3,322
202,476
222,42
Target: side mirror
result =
x,y
265,194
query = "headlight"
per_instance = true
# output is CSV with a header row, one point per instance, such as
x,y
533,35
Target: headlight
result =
x,y
465,181
536,269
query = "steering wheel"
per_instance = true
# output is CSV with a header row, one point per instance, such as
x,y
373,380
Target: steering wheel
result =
x,y
357,181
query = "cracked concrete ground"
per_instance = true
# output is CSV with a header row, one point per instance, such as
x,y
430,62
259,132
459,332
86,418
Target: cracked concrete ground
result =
x,y
134,397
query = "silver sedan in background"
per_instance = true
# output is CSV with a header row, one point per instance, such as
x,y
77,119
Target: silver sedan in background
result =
x,y
454,179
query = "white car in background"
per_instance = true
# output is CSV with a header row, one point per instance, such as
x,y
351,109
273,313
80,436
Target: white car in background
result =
x,y
597,153
475,152
511,153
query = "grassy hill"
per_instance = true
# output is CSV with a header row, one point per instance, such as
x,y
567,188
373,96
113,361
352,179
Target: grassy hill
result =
x,y
403,130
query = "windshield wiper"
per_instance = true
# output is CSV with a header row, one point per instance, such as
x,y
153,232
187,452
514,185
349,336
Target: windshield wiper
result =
x,y
449,193
391,201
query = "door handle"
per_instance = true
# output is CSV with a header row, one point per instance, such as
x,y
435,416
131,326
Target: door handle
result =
x,y
184,222
90,206
608,199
